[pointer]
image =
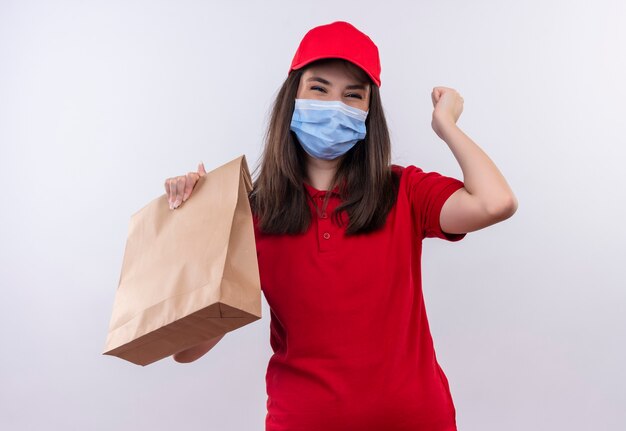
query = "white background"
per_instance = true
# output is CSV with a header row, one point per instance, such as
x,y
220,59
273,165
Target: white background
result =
x,y
101,101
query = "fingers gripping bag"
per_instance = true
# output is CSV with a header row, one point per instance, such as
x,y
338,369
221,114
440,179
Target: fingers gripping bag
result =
x,y
189,274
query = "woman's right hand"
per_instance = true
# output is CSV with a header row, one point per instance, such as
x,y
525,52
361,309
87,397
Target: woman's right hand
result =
x,y
195,352
179,188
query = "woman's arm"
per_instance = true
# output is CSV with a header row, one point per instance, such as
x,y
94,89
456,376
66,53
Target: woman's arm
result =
x,y
486,198
196,352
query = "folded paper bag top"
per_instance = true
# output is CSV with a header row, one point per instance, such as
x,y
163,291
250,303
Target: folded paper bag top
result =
x,y
189,274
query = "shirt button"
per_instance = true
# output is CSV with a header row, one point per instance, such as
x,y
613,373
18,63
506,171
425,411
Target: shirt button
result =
x,y
326,235
324,215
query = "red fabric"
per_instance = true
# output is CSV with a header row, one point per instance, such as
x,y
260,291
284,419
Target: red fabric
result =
x,y
339,40
351,341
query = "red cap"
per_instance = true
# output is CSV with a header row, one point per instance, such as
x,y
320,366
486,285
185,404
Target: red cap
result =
x,y
339,40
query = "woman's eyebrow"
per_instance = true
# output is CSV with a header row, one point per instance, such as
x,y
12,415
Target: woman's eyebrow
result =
x,y
324,81
318,79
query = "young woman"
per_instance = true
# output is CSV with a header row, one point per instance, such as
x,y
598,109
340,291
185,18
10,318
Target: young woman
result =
x,y
339,234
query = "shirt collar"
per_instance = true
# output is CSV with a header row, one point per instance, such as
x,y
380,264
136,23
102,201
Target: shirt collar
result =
x,y
315,192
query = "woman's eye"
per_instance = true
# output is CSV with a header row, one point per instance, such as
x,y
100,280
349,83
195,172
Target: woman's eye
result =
x,y
323,90
355,95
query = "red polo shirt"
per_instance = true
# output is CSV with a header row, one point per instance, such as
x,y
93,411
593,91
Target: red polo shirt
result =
x,y
351,341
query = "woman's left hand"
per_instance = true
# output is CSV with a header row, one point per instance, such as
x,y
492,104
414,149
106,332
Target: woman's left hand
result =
x,y
448,105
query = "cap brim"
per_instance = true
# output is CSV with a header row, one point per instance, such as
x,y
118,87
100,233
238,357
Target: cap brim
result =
x,y
343,57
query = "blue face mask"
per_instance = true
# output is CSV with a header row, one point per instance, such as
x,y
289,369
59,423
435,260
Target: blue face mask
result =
x,y
327,129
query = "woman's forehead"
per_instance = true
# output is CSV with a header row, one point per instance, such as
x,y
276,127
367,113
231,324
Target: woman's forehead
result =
x,y
336,70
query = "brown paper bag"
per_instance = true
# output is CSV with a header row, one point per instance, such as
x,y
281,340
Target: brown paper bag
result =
x,y
188,274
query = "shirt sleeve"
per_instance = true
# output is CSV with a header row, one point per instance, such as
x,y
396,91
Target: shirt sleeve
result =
x,y
427,192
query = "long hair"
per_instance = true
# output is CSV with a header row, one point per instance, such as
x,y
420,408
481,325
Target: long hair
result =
x,y
367,187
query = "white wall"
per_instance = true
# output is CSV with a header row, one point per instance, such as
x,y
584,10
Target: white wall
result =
x,y
100,101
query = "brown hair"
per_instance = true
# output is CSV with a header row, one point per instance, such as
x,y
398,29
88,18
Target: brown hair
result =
x,y
367,188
